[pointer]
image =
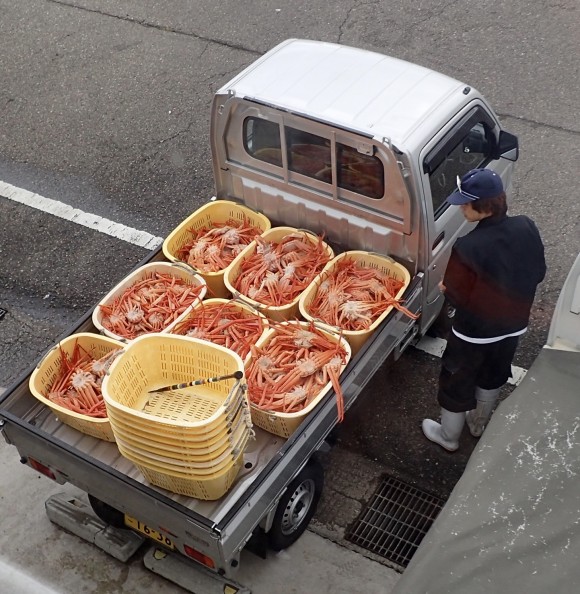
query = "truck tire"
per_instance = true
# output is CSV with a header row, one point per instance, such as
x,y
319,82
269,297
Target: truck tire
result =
x,y
296,506
108,514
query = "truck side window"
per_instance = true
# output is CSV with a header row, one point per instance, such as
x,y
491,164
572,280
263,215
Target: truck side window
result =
x,y
465,152
262,140
308,154
360,173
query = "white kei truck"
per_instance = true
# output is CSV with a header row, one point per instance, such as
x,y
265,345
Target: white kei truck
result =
x,y
413,131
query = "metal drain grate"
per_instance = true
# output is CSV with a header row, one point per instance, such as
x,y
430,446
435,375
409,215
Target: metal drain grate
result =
x,y
395,521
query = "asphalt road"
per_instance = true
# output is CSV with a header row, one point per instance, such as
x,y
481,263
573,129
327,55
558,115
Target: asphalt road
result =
x,y
104,105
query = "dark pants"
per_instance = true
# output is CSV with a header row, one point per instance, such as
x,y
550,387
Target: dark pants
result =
x,y
466,366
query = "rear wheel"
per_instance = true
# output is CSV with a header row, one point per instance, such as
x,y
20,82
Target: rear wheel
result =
x,y
296,506
108,514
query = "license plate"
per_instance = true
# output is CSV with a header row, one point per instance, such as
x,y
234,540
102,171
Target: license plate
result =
x,y
149,532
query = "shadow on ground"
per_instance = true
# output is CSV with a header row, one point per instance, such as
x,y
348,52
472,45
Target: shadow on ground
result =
x,y
384,425
381,435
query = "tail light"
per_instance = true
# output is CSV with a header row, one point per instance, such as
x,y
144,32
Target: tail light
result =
x,y
39,467
200,557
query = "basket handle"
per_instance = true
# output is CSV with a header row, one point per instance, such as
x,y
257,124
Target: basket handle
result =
x,y
383,256
237,296
315,236
322,325
185,266
236,451
237,433
117,337
232,390
248,420
112,356
231,414
46,355
244,443
307,231
233,428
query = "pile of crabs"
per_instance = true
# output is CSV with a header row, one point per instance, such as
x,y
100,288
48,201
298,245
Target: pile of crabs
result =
x,y
287,362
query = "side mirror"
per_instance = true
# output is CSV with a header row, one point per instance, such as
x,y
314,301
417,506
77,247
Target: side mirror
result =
x,y
507,146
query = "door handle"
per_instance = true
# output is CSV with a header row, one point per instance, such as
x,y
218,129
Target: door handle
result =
x,y
438,240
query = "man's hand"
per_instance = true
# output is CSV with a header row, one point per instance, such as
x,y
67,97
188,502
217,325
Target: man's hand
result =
x,y
442,287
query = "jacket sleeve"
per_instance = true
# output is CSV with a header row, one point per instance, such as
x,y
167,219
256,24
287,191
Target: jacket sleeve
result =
x,y
458,280
541,259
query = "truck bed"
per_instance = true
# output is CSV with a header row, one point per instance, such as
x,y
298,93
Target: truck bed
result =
x,y
256,457
270,462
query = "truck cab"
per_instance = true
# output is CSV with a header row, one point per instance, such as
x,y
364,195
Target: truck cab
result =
x,y
358,146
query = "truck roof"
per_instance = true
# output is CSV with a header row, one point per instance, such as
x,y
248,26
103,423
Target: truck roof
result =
x,y
364,91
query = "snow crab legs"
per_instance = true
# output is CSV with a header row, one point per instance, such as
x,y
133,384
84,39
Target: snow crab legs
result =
x,y
290,367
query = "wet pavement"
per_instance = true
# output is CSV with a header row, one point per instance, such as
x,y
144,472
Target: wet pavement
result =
x,y
39,557
381,435
385,426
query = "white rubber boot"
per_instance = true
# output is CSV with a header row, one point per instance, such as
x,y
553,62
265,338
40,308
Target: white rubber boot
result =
x,y
478,418
447,433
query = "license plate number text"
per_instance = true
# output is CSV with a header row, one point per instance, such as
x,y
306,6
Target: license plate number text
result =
x,y
149,532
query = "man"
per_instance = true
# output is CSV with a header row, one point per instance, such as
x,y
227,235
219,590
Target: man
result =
x,y
491,281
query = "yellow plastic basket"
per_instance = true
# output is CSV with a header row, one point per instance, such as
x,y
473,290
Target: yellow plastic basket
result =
x,y
204,438
156,360
195,408
356,338
48,370
201,452
209,488
284,424
189,466
280,313
218,211
246,310
177,270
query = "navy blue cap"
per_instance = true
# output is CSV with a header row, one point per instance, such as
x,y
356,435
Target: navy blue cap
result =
x,y
475,185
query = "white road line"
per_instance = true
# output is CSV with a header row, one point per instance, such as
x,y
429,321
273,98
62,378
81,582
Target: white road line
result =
x,y
95,222
436,346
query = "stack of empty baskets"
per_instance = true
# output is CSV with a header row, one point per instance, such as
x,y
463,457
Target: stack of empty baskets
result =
x,y
189,440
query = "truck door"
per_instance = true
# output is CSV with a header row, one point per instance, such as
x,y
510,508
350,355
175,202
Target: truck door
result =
x,y
466,143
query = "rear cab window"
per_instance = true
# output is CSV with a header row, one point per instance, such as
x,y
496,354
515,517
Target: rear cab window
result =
x,y
320,158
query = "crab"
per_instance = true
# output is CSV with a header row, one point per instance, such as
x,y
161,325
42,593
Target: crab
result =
x,y
356,311
134,314
157,320
307,367
197,333
304,338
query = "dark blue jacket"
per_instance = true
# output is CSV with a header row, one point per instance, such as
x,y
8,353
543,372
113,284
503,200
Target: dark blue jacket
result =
x,y
492,276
